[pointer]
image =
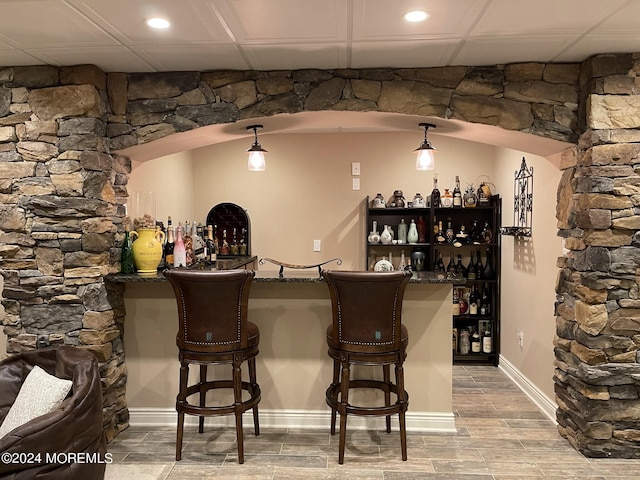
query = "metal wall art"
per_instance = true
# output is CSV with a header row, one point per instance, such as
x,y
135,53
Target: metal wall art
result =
x,y
522,202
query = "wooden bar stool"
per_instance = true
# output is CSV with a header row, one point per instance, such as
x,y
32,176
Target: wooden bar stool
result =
x,y
213,329
367,330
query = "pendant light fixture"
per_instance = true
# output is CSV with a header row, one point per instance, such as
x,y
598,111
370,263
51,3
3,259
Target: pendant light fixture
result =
x,y
256,152
425,160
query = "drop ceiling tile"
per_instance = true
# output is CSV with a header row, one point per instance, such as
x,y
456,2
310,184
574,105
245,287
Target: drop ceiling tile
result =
x,y
499,50
592,44
624,20
399,54
273,21
46,23
108,59
382,19
192,21
298,56
551,17
193,57
17,58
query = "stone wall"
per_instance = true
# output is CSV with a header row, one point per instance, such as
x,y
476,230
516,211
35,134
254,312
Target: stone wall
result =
x,y
63,192
598,311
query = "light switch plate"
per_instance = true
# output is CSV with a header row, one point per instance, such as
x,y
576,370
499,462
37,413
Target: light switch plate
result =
x,y
356,184
355,168
316,245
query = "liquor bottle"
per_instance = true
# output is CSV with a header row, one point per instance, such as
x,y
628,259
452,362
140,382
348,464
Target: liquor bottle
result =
x,y
179,250
471,268
483,200
460,270
402,231
447,199
476,345
457,194
473,301
233,248
485,306
448,234
242,248
464,305
488,273
487,341
435,193
474,233
169,245
462,237
422,230
224,249
455,306
212,248
479,267
440,238
487,234
126,253
464,342
188,243
197,243
469,198
440,267
451,266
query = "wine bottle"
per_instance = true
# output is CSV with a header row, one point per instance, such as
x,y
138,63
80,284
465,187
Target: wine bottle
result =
x,y
440,238
198,242
455,307
224,249
449,235
169,245
126,253
473,301
487,234
457,194
476,346
485,305
474,233
212,248
487,341
479,267
435,193
488,273
460,270
440,263
451,266
471,268
179,250
242,248
233,248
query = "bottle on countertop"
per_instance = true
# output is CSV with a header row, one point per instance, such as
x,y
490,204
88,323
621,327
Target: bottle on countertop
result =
x,y
457,194
212,248
224,249
188,243
242,248
126,253
179,250
169,245
197,239
435,193
234,247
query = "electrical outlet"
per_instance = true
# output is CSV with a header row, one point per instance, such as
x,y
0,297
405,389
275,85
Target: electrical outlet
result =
x,y
316,245
356,183
355,168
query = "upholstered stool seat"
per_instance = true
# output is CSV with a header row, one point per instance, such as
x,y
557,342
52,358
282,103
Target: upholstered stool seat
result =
x,y
367,330
213,329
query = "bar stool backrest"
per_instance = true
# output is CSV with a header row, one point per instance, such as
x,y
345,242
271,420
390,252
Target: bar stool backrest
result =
x,y
367,309
212,308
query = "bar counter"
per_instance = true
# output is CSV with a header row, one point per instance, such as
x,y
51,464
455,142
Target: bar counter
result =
x,y
294,370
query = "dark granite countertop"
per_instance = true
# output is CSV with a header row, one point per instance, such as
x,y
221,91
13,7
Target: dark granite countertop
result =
x,y
290,276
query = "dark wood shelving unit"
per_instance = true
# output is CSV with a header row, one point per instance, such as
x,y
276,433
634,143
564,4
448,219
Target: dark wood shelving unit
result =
x,y
459,216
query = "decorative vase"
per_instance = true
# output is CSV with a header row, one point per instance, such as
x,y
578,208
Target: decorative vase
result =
x,y
412,236
402,231
147,249
385,236
374,236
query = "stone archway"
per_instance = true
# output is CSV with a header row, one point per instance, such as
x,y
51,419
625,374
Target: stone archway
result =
x,y
63,195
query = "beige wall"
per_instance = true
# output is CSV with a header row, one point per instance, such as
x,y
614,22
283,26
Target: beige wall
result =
x,y
529,271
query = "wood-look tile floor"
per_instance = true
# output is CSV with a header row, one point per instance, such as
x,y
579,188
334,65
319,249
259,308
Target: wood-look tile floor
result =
x,y
500,435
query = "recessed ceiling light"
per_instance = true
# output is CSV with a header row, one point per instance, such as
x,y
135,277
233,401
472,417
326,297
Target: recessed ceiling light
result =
x,y
159,23
416,16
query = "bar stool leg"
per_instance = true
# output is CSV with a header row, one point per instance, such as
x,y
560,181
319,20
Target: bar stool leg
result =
x,y
402,397
386,369
237,398
253,384
344,401
336,380
203,395
184,375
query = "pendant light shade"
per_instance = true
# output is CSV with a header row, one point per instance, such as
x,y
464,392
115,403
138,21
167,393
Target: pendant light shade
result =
x,y
425,159
256,152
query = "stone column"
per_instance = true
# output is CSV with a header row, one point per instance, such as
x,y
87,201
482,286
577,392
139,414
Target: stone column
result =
x,y
597,376
60,220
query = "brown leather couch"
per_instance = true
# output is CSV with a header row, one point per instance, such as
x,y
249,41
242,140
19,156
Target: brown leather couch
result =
x,y
72,432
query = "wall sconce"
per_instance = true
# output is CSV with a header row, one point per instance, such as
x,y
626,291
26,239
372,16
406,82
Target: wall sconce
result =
x,y
256,152
425,160
522,203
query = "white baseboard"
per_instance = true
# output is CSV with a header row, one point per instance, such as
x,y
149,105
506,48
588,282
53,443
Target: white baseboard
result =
x,y
538,397
303,419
